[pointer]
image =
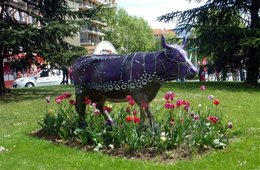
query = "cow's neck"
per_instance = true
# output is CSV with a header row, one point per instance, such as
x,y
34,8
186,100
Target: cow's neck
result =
x,y
146,68
162,71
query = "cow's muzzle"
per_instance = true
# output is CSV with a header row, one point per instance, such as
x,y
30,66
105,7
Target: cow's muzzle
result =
x,y
191,73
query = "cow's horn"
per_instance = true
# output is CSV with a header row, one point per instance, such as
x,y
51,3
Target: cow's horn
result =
x,y
184,42
164,44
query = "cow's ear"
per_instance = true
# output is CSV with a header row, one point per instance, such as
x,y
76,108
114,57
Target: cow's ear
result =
x,y
184,42
164,44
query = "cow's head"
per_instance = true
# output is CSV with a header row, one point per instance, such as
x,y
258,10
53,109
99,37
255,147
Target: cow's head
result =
x,y
177,63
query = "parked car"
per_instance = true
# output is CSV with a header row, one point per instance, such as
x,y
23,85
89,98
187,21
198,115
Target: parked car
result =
x,y
43,78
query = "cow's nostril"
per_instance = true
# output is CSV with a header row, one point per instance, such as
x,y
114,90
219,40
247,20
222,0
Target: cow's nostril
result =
x,y
193,71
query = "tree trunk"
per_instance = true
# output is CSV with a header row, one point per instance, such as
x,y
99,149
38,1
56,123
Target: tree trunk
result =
x,y
252,67
2,82
253,62
255,20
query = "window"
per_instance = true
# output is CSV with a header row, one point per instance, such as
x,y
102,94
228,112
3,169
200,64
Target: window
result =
x,y
44,73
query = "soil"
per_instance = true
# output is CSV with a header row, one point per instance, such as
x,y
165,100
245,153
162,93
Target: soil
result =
x,y
147,154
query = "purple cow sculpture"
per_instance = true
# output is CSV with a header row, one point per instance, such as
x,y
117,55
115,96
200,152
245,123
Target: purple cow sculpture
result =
x,y
114,77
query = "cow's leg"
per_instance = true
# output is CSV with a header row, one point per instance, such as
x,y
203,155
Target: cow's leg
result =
x,y
151,119
144,111
142,115
140,99
81,109
100,106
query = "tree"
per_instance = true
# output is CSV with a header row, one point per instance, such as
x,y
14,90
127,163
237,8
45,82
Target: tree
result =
x,y
169,36
128,33
228,30
52,22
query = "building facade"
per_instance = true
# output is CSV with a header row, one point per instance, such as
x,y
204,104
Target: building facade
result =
x,y
90,34
16,14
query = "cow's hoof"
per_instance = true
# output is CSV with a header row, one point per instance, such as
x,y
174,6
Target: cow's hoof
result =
x,y
143,126
109,122
82,125
156,128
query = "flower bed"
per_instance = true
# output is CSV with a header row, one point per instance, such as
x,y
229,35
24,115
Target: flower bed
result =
x,y
181,126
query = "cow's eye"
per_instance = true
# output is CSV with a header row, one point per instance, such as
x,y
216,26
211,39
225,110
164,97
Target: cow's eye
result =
x,y
179,56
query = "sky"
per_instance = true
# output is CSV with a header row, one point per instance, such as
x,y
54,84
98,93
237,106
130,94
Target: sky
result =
x,y
151,9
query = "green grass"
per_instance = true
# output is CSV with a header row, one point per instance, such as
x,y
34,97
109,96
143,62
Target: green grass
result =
x,y
21,109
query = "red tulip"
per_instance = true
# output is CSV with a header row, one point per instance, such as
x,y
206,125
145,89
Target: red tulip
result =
x,y
134,112
136,119
87,101
72,102
196,117
130,100
169,96
144,105
129,118
213,119
169,105
58,100
66,95
216,102
107,108
179,103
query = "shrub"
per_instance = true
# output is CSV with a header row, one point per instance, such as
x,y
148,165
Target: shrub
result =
x,y
180,126
63,120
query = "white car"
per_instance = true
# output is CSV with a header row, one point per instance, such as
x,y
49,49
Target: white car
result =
x,y
43,78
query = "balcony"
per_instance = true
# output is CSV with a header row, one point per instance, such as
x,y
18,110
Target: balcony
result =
x,y
86,5
101,2
94,3
88,42
91,30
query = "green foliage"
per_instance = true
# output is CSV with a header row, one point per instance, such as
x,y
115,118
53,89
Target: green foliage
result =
x,y
51,22
170,37
47,31
226,31
62,121
128,33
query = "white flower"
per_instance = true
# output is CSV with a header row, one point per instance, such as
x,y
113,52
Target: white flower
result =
x,y
94,105
163,134
163,138
210,97
97,112
2,149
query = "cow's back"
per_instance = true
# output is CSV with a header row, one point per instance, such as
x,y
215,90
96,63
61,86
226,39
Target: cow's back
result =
x,y
97,69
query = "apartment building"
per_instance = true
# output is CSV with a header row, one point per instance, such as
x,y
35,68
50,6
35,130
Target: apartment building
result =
x,y
90,34
20,16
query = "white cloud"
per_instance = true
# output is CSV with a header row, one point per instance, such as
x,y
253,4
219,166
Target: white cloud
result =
x,y
151,9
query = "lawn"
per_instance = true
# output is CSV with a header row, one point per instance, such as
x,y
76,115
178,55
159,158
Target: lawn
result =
x,y
22,108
